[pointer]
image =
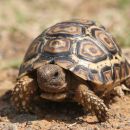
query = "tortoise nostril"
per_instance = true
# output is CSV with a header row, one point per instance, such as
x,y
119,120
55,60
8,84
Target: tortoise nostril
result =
x,y
56,74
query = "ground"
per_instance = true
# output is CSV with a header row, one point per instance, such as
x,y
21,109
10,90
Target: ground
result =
x,y
65,117
20,22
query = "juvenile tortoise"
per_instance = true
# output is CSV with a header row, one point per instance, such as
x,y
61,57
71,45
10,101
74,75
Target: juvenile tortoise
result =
x,y
75,60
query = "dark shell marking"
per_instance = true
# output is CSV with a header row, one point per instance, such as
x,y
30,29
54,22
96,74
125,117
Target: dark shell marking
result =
x,y
55,46
105,39
82,47
88,50
64,29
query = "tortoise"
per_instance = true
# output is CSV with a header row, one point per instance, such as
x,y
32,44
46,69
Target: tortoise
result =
x,y
76,60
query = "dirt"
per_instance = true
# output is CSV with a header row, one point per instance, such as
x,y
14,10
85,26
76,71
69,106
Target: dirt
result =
x,y
64,116
20,23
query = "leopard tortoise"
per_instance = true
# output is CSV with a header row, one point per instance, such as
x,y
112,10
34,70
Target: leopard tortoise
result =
x,y
74,60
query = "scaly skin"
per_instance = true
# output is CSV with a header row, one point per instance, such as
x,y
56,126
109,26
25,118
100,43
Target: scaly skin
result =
x,y
23,94
91,102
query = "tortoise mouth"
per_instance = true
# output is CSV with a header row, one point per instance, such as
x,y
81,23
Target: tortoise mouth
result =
x,y
54,96
54,88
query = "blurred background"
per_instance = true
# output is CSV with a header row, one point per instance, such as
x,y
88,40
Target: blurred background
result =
x,y
23,20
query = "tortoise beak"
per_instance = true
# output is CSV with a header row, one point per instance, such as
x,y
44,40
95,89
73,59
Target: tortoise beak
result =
x,y
51,79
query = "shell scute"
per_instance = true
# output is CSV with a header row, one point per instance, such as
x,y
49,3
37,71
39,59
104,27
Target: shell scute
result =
x,y
57,46
34,48
97,79
65,29
88,50
65,62
107,74
123,71
81,71
105,39
117,72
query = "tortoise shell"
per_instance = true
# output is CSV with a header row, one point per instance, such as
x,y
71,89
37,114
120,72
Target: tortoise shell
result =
x,y
82,47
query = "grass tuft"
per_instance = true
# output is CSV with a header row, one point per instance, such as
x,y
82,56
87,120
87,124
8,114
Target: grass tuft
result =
x,y
14,63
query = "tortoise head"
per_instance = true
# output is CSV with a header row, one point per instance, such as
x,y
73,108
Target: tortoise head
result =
x,y
52,81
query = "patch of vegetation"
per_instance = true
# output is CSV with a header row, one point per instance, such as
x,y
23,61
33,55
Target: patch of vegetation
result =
x,y
20,17
123,3
14,63
124,41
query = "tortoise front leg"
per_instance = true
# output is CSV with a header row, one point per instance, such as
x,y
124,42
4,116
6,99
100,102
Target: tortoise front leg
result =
x,y
91,102
23,95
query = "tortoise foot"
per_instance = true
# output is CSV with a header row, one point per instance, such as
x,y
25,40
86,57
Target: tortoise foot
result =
x,y
91,102
23,95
